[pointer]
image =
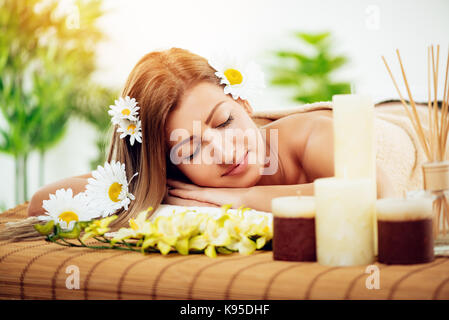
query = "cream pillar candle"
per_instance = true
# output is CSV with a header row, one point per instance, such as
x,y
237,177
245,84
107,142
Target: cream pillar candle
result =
x,y
354,141
294,228
344,221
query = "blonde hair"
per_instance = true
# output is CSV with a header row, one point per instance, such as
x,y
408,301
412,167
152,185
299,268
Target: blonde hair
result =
x,y
157,82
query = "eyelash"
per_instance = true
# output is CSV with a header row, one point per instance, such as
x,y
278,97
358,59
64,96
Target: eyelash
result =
x,y
227,122
224,124
191,156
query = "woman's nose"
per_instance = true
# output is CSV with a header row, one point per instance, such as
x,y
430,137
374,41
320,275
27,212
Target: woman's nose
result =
x,y
223,149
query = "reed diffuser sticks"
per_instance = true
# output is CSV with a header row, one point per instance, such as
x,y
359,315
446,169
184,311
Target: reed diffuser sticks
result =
x,y
435,142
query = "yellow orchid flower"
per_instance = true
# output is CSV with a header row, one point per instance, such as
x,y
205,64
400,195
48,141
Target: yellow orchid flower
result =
x,y
166,230
216,234
149,241
198,242
141,225
182,246
188,223
246,246
165,235
98,227
139,228
244,225
163,247
122,234
210,251
242,230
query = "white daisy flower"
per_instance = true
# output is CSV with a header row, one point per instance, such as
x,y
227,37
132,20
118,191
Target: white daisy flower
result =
x,y
108,189
124,109
131,128
241,80
66,209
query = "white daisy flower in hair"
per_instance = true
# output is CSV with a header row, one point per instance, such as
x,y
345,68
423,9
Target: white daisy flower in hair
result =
x,y
131,128
66,209
124,109
108,189
242,80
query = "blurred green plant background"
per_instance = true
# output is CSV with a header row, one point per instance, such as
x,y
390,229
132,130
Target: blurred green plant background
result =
x,y
47,58
310,71
47,63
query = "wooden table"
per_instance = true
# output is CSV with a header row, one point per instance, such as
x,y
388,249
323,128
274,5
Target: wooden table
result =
x,y
37,270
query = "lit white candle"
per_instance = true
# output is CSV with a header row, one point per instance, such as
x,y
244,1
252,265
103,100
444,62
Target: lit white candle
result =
x,y
354,141
344,221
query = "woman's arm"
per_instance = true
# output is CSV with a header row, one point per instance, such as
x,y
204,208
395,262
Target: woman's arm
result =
x,y
256,197
259,197
77,184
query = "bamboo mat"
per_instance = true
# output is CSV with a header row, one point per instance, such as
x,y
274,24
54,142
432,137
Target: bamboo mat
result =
x,y
37,270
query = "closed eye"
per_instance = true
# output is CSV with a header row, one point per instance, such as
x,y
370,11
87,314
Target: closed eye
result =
x,y
194,153
227,122
224,124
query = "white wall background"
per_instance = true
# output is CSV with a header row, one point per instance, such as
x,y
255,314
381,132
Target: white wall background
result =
x,y
362,29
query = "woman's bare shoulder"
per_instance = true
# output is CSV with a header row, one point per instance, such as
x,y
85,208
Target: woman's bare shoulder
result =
x,y
299,124
85,176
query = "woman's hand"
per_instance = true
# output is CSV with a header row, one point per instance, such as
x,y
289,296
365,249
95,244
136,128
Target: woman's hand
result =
x,y
192,195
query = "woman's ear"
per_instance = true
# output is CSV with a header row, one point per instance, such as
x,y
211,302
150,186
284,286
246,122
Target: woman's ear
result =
x,y
246,106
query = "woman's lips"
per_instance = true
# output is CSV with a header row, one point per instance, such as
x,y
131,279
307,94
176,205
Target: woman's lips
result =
x,y
237,169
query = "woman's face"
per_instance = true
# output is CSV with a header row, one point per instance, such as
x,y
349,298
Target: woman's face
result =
x,y
209,133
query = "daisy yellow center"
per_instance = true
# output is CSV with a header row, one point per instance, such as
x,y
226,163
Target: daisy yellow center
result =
x,y
68,216
126,112
234,76
114,191
131,127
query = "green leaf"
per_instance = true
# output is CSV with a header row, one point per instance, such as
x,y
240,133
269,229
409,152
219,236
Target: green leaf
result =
x,y
260,242
299,57
45,229
83,224
310,73
224,250
313,38
72,234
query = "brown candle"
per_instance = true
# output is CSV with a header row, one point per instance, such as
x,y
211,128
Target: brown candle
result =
x,y
405,231
294,228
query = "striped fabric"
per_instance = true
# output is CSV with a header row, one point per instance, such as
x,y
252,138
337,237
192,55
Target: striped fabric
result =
x,y
38,270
